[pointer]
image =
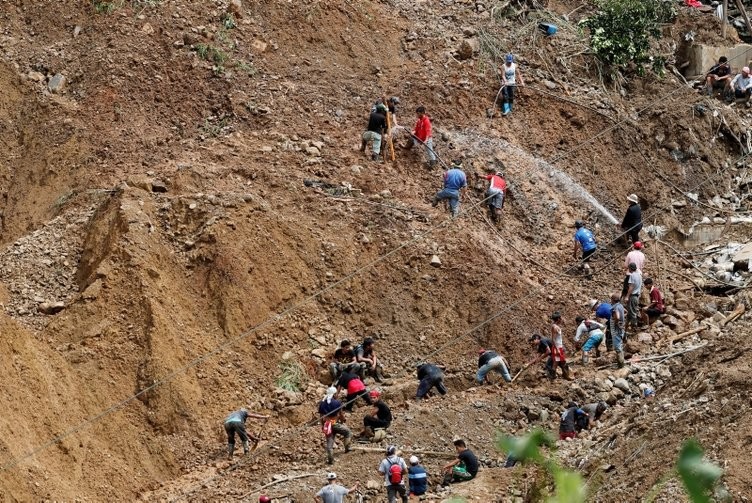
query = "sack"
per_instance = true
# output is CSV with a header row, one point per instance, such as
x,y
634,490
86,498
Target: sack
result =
x,y
395,473
327,429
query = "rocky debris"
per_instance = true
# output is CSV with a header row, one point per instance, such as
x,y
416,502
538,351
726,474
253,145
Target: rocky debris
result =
x,y
468,48
235,7
42,265
435,261
57,83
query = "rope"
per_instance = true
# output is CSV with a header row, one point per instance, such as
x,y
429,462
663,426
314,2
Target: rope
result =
x,y
193,363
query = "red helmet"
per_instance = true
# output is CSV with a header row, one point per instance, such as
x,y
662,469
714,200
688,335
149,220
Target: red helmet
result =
x,y
264,499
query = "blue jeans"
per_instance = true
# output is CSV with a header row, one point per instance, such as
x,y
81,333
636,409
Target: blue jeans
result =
x,y
429,382
593,342
617,335
429,147
454,199
495,364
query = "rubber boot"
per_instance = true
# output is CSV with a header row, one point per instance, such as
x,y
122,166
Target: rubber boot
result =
x,y
374,156
230,450
620,358
567,374
363,145
585,359
506,109
377,375
347,441
329,457
245,447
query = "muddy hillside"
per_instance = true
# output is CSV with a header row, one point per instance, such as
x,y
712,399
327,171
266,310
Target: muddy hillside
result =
x,y
189,227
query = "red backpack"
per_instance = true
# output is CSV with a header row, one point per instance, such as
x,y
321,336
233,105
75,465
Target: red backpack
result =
x,y
395,473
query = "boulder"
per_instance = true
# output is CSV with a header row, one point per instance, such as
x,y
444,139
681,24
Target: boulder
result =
x,y
57,83
622,384
51,307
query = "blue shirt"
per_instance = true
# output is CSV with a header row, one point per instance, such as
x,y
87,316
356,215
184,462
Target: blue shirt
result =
x,y
585,238
239,416
603,311
455,179
418,480
330,409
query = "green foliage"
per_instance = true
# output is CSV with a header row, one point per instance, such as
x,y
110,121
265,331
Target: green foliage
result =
x,y
228,21
292,376
569,486
621,30
102,7
211,53
699,476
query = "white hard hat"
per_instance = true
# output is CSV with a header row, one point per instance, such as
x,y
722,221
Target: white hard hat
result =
x,y
414,460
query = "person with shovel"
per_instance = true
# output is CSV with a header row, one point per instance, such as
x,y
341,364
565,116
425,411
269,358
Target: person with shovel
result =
x,y
422,135
235,424
375,131
455,183
509,75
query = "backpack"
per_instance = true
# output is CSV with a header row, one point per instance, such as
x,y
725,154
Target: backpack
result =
x,y
395,473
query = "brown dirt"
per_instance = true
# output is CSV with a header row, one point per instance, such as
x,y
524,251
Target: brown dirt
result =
x,y
173,295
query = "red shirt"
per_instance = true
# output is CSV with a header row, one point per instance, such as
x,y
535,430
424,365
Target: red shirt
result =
x,y
656,299
355,386
497,182
423,128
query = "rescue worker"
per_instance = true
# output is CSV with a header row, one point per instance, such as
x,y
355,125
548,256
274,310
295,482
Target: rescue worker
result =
x,y
332,419
557,338
455,183
489,360
603,315
617,324
462,469
344,360
365,354
417,477
594,411
545,348
394,470
594,332
656,306
430,376
379,418
573,420
422,134
333,492
509,75
633,283
375,131
584,240
495,193
235,424
355,389
632,223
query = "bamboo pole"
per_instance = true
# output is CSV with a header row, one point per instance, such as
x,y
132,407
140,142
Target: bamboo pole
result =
x,y
740,5
389,129
724,20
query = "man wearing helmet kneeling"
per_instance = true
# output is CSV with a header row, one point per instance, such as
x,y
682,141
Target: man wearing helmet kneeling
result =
x,y
380,417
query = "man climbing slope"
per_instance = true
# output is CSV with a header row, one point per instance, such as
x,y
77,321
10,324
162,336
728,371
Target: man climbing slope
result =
x,y
632,223
455,183
495,193
235,424
585,241
375,131
422,134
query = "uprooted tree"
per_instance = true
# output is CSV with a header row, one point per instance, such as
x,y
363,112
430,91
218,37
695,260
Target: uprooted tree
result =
x,y
621,31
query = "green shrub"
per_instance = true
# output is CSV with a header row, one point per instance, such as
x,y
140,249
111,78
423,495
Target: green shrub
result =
x,y
621,30
292,376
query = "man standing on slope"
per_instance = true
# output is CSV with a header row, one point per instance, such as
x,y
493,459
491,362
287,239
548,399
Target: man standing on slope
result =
x,y
509,74
333,492
632,223
235,423
375,131
617,324
635,256
557,351
632,295
332,420
603,315
455,182
394,470
422,134
584,239
495,193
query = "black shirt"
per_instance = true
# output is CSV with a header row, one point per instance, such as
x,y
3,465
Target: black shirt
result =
x,y
570,419
470,461
486,357
377,122
544,345
720,70
344,355
383,413
428,370
633,218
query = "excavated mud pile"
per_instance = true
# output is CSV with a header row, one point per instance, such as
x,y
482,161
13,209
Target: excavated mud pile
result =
x,y
189,228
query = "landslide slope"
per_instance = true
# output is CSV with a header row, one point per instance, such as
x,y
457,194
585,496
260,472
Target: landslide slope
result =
x,y
160,197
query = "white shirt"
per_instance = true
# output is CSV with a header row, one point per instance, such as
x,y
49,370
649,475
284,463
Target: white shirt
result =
x,y
510,74
583,329
741,83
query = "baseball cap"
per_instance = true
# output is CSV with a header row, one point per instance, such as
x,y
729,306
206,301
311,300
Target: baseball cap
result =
x,y
637,245
331,476
509,58
414,460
